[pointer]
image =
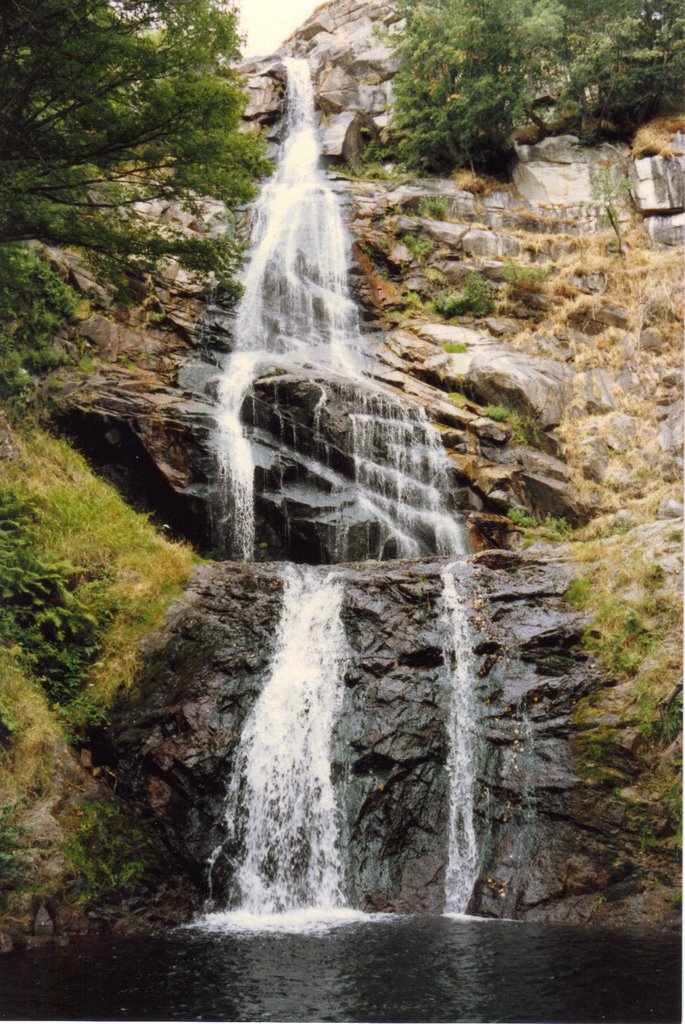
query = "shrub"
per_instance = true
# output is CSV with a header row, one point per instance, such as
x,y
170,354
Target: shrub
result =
x,y
420,248
476,297
522,280
500,413
34,302
578,594
520,517
11,835
556,528
435,208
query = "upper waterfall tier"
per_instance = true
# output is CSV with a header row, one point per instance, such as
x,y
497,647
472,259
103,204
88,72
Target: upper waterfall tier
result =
x,y
296,297
384,473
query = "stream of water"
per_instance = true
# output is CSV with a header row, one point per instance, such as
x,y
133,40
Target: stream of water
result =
x,y
281,804
296,314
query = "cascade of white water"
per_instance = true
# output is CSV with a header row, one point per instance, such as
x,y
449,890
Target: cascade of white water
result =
x,y
462,864
296,309
295,298
281,805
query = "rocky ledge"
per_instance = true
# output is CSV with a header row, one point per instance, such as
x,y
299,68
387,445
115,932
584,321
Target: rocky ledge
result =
x,y
557,845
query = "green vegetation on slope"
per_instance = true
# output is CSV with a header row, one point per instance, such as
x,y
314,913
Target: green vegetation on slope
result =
x,y
472,73
84,577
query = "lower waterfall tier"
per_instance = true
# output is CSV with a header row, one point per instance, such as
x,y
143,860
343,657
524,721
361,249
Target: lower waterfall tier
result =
x,y
547,844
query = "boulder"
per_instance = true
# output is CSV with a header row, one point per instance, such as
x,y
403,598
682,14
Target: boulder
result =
x,y
490,244
658,184
537,388
595,390
666,231
346,135
559,169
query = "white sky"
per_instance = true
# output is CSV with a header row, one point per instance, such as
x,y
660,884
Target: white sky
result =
x,y
269,22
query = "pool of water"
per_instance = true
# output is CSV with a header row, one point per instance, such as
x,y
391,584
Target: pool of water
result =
x,y
387,969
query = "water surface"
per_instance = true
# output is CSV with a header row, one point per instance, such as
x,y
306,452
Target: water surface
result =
x,y
412,969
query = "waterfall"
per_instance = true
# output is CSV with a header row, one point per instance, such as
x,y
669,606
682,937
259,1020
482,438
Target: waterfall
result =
x,y
462,864
281,809
295,298
296,314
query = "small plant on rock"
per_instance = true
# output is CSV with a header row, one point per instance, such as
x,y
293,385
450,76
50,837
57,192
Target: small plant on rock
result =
x,y
476,297
610,193
434,208
524,280
420,248
519,517
500,413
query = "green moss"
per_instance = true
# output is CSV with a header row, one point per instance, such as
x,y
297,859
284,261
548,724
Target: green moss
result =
x,y
500,413
453,347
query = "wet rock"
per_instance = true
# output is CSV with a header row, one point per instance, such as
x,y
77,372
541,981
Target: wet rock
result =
x,y
174,742
43,925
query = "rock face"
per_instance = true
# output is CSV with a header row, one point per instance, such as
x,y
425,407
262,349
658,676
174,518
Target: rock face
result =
x,y
550,842
352,63
558,170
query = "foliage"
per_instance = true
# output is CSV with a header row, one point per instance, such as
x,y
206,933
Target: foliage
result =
x,y
39,612
107,105
621,638
610,192
556,528
476,297
467,70
474,70
78,562
500,413
522,280
454,347
435,208
110,857
520,517
11,835
420,248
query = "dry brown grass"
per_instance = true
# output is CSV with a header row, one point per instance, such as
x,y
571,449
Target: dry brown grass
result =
x,y
478,184
656,137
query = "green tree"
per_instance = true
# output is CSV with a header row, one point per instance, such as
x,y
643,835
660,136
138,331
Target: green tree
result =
x,y
473,71
107,104
470,71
